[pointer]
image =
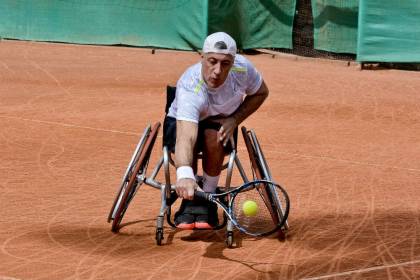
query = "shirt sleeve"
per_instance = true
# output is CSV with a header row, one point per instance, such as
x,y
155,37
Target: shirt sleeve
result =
x,y
188,104
254,79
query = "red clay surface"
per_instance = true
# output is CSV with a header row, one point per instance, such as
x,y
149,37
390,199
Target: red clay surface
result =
x,y
345,143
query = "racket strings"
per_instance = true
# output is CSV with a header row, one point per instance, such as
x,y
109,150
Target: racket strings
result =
x,y
260,220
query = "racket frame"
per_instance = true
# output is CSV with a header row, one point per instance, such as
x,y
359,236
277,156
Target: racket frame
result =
x,y
231,194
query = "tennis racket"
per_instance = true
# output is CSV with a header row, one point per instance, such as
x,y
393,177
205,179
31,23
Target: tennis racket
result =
x,y
250,206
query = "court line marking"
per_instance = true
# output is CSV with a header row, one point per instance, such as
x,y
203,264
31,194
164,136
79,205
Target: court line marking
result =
x,y
73,125
344,160
363,270
159,136
375,268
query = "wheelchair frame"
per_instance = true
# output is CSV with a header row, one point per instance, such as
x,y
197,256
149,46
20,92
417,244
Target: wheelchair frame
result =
x,y
135,176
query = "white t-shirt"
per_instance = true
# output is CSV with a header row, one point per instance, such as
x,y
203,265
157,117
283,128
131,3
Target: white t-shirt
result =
x,y
194,101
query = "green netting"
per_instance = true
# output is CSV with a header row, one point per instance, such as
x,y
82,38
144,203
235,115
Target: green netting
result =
x,y
335,25
389,31
254,24
175,24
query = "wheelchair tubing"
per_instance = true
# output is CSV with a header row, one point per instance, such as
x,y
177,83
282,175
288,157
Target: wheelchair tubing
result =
x,y
132,185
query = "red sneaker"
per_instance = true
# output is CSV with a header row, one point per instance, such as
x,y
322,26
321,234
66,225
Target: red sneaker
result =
x,y
209,221
185,221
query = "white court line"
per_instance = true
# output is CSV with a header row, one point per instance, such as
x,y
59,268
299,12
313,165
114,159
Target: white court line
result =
x,y
73,125
271,151
344,161
364,270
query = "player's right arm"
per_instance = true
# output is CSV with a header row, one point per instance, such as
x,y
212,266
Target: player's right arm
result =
x,y
186,136
190,102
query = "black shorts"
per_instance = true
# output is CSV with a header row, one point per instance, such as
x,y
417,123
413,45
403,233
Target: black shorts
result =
x,y
169,134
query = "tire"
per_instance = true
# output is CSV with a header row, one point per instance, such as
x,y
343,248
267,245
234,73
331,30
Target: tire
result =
x,y
229,239
260,169
159,236
129,171
130,184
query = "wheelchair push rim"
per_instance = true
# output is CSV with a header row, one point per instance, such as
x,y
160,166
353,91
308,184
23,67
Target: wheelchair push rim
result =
x,y
130,187
129,171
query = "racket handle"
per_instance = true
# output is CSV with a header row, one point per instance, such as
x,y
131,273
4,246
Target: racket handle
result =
x,y
201,195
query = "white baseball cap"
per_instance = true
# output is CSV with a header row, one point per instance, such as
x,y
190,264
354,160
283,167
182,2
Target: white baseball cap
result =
x,y
220,42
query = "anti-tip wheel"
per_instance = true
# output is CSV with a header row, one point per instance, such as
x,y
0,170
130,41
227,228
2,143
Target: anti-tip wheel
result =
x,y
229,239
159,236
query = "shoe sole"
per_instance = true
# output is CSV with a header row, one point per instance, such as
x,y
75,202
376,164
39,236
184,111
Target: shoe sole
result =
x,y
186,226
203,225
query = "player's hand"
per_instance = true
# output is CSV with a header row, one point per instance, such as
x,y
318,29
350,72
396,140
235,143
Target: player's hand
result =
x,y
226,130
185,188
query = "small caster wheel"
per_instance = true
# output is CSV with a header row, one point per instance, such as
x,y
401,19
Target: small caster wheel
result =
x,y
281,235
229,239
159,236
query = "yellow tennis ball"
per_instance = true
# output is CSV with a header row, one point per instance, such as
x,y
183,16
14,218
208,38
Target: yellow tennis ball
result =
x,y
250,208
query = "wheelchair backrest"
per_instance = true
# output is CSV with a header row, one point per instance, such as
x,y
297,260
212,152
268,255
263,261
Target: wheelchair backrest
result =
x,y
170,96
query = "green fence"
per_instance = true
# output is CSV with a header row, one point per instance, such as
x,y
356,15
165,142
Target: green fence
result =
x,y
254,24
175,24
377,30
389,31
335,25
160,23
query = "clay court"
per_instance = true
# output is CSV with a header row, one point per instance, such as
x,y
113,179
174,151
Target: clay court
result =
x,y
344,143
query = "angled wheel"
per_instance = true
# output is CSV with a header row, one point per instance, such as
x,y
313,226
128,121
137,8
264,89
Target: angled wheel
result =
x,y
277,202
130,184
129,172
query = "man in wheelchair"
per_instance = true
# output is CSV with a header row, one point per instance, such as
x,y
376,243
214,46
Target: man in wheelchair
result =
x,y
212,98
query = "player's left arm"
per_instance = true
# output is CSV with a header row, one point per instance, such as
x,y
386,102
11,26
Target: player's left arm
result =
x,y
250,104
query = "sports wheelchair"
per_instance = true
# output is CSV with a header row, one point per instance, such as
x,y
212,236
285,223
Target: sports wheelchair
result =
x,y
135,176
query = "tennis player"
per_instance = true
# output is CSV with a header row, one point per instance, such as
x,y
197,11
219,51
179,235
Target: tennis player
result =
x,y
212,98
